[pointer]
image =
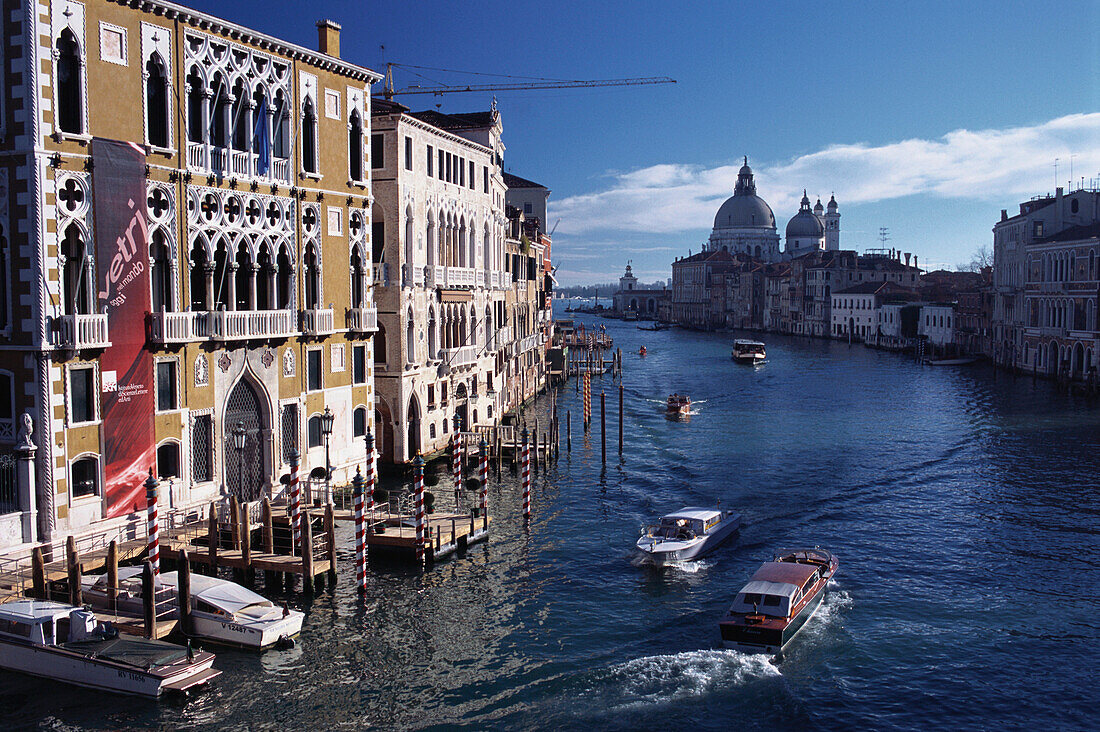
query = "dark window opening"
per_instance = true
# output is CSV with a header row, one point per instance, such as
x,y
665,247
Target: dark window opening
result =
x,y
156,103
309,138
69,97
85,477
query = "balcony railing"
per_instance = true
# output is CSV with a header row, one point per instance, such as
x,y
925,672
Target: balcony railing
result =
x,y
501,338
461,356
244,324
318,322
363,320
180,327
82,331
530,342
206,158
437,276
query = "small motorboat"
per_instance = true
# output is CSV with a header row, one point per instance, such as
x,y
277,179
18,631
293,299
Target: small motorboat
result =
x,y
690,533
750,352
678,405
641,351
778,601
56,641
221,611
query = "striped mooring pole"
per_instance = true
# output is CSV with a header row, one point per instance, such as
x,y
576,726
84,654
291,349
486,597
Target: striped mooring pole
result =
x,y
360,533
295,502
483,455
369,497
456,453
587,399
526,476
418,503
154,522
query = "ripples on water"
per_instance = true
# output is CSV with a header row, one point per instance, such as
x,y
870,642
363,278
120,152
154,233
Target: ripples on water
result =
x,y
963,505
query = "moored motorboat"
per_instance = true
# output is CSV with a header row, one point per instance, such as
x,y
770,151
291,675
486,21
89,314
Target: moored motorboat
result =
x,y
750,352
778,600
221,611
678,405
64,643
690,533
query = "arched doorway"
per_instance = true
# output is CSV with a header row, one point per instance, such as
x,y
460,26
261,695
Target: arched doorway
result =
x,y
245,474
461,405
1078,360
413,418
383,433
1052,362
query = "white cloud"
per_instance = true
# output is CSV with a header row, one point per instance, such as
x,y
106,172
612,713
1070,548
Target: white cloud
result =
x,y
991,165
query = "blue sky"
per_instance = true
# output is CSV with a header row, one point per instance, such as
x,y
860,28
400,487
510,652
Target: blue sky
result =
x,y
926,118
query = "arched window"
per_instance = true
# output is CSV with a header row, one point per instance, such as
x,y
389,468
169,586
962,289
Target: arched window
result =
x,y
355,147
313,278
161,275
280,128
408,235
84,476
359,422
5,272
196,130
219,123
410,338
198,278
380,344
168,460
221,275
69,97
309,137
429,239
245,278
313,431
239,122
258,129
156,102
433,337
266,275
78,277
358,278
283,289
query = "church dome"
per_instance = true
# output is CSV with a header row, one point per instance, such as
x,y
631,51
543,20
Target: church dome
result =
x,y
805,223
744,209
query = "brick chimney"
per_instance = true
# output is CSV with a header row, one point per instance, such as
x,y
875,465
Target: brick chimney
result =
x,y
328,37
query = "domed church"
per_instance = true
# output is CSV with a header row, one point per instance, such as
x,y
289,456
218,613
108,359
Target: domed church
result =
x,y
745,224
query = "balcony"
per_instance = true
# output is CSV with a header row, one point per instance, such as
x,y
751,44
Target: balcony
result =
x,y
531,342
437,276
501,338
204,158
244,324
179,327
363,320
318,322
462,356
82,331
381,274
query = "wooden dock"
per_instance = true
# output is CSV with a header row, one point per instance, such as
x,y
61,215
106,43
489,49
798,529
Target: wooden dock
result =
x,y
447,533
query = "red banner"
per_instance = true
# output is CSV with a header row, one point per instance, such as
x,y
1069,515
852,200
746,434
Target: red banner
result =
x,y
126,367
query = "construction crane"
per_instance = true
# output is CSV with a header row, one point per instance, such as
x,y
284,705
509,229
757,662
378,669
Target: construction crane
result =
x,y
527,83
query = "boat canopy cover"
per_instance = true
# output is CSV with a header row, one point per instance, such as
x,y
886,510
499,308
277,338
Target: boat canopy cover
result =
x,y
131,651
30,611
744,342
768,598
693,513
222,594
786,572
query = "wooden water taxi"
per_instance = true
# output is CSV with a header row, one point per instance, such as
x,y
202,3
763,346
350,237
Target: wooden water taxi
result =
x,y
778,601
64,643
750,352
678,405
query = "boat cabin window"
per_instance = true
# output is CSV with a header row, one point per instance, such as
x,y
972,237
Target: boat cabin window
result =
x,y
14,627
750,598
772,601
809,583
62,630
205,607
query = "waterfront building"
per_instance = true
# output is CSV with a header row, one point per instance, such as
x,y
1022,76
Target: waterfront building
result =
x,y
974,317
645,301
691,285
744,223
1045,280
193,299
439,229
855,311
528,197
937,324
528,303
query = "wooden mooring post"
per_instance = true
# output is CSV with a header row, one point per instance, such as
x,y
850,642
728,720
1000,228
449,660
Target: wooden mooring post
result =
x,y
245,535
149,600
330,537
112,571
568,433
38,573
603,427
620,418
183,573
307,554
535,439
212,538
271,579
72,557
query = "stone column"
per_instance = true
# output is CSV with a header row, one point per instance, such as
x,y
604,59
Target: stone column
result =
x,y
25,479
231,276
208,277
252,270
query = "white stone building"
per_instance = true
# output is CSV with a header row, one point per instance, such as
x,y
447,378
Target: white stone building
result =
x,y
440,275
937,324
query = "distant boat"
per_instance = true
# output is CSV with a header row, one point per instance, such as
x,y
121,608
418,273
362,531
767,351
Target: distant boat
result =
x,y
678,405
950,361
641,351
690,533
750,352
655,326
778,601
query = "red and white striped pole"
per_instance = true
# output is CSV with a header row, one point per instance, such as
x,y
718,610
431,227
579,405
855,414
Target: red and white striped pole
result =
x,y
295,502
370,471
483,454
526,476
418,501
456,453
154,522
360,533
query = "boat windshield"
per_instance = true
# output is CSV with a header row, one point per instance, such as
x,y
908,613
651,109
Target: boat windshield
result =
x,y
131,651
257,610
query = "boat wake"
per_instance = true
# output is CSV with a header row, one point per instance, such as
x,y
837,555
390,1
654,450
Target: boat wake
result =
x,y
655,680
692,567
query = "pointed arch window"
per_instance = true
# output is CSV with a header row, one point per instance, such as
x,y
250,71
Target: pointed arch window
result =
x,y
70,114
161,273
196,130
355,147
199,267
283,286
78,274
156,102
219,124
309,137
280,128
239,122
313,278
358,278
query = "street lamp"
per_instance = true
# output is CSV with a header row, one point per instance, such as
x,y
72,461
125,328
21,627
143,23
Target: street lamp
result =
x,y
238,440
326,431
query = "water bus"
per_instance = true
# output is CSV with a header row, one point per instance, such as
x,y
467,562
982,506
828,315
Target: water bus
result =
x,y
750,352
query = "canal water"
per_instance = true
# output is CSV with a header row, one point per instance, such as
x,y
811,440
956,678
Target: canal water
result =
x,y
964,506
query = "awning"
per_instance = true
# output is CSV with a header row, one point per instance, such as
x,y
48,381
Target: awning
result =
x,y
456,295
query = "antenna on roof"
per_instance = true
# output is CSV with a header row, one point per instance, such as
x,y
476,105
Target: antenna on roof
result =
x,y
883,235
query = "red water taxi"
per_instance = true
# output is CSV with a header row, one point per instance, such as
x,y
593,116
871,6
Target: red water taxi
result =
x,y
678,405
778,601
641,351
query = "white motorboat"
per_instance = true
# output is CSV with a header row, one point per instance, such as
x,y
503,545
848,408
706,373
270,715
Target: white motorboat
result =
x,y
690,533
746,351
221,611
64,643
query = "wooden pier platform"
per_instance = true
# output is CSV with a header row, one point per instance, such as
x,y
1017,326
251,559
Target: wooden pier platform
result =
x,y
447,533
